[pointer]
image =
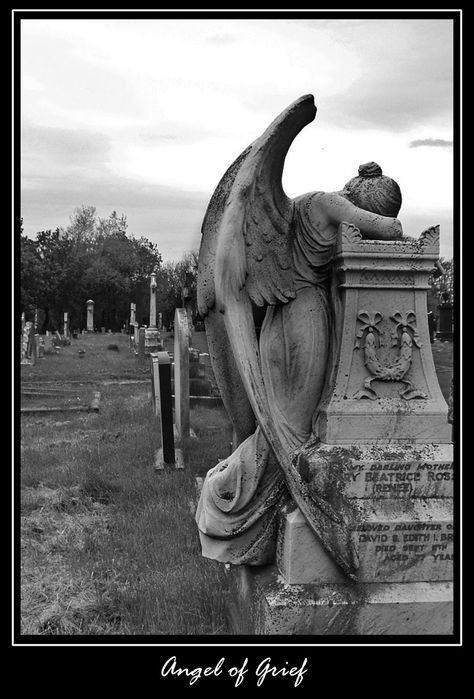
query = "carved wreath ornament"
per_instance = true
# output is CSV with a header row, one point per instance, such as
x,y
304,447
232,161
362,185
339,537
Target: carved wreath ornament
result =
x,y
404,335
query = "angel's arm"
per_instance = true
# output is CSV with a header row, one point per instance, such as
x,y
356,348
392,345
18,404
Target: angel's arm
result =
x,y
337,209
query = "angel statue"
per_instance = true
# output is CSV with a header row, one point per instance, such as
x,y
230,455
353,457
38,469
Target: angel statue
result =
x,y
267,294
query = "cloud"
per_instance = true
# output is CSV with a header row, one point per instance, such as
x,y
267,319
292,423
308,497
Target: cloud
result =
x,y
45,144
222,39
432,142
170,217
175,102
176,132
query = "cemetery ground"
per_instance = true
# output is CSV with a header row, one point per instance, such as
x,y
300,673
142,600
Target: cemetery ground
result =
x,y
109,545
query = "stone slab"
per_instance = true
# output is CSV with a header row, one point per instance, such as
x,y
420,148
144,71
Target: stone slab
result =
x,y
269,606
300,557
392,545
181,371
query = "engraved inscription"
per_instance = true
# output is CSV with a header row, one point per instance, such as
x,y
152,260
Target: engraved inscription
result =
x,y
402,479
406,551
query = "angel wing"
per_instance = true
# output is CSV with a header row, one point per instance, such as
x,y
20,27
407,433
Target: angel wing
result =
x,y
227,375
246,259
255,178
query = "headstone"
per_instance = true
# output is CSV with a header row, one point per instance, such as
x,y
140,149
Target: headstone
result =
x,y
133,310
163,404
28,344
65,325
431,326
152,336
335,508
152,300
384,461
181,371
445,325
141,345
90,315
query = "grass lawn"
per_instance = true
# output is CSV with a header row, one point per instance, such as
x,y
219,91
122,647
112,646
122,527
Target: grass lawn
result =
x,y
108,545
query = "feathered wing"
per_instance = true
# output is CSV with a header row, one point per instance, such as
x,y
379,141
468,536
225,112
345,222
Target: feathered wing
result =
x,y
227,375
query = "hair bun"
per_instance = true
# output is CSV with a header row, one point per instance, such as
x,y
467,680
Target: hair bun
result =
x,y
370,170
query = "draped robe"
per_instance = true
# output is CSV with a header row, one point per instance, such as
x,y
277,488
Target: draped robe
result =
x,y
242,496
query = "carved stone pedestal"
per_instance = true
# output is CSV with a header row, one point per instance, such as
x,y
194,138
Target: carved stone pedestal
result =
x,y
381,456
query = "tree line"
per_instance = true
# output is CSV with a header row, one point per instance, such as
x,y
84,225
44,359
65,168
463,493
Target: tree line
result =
x,y
96,258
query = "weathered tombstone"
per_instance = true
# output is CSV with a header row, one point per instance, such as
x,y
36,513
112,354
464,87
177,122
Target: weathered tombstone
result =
x,y
336,509
384,456
141,345
65,325
167,455
90,315
181,371
133,327
445,324
152,334
28,344
40,346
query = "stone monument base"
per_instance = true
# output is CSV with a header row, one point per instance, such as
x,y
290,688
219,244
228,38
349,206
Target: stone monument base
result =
x,y
265,604
153,341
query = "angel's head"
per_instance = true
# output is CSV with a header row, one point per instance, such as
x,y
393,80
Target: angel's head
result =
x,y
373,191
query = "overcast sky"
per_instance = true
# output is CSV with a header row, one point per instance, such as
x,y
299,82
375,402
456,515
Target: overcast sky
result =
x,y
144,116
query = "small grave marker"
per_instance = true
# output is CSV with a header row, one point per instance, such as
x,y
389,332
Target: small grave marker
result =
x,y
181,371
90,315
167,455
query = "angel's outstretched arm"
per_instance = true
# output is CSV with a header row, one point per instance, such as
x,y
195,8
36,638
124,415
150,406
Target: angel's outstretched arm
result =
x,y
337,209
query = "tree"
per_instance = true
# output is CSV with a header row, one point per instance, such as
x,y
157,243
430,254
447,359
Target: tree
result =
x,y
91,258
84,223
31,275
176,287
441,282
